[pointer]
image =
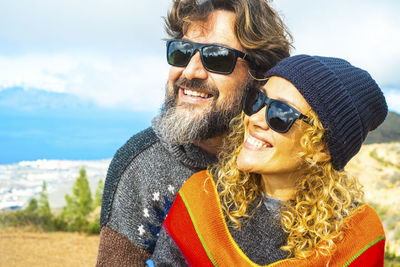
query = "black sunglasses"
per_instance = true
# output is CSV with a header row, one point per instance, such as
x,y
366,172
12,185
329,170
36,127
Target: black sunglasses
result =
x,y
279,115
215,58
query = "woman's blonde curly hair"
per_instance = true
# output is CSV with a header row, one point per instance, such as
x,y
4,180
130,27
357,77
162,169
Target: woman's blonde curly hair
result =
x,y
314,217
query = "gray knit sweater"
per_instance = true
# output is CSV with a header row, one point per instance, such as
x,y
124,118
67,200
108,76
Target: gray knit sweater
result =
x,y
141,184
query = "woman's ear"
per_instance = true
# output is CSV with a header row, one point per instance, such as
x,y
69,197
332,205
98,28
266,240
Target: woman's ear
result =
x,y
322,156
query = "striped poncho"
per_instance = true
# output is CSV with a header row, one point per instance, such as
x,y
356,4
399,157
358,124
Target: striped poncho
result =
x,y
197,225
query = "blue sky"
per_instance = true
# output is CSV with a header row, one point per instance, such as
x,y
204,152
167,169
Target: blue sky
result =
x,y
110,55
112,52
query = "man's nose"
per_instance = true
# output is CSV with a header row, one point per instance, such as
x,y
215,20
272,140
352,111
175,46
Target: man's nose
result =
x,y
195,68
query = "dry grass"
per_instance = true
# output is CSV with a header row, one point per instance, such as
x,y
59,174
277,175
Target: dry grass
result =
x,y
25,247
381,180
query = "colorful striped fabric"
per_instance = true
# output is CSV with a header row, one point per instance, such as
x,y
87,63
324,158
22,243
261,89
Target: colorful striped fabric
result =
x,y
197,225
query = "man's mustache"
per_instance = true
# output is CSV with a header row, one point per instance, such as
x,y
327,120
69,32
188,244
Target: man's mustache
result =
x,y
197,84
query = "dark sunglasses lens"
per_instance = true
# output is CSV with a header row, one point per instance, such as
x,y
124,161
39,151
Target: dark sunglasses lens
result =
x,y
179,53
219,59
280,116
253,102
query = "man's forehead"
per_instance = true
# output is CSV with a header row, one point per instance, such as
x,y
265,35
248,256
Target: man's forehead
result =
x,y
219,27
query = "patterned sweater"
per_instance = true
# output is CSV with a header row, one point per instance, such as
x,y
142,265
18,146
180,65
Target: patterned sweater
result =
x,y
195,233
141,184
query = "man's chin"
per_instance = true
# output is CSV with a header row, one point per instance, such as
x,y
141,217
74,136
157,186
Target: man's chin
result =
x,y
195,100
193,110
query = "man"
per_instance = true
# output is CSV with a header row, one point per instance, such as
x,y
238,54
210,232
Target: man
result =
x,y
218,45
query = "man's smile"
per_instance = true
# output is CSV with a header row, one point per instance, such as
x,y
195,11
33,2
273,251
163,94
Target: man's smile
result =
x,y
194,96
191,92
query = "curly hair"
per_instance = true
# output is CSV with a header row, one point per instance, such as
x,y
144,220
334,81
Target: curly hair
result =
x,y
258,27
314,217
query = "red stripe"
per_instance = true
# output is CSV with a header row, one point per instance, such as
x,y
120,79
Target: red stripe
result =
x,y
373,256
179,226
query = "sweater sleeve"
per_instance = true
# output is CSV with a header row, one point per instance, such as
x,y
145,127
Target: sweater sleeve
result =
x,y
117,250
122,158
141,184
117,245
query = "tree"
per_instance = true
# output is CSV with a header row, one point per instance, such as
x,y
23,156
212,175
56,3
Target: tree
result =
x,y
99,193
79,205
32,205
81,202
43,203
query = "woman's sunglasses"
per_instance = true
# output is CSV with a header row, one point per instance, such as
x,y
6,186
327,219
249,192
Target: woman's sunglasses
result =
x,y
215,58
279,115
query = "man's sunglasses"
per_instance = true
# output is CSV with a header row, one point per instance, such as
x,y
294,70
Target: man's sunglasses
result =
x,y
215,58
279,115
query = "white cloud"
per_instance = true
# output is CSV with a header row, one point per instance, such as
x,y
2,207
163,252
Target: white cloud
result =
x,y
137,84
366,32
111,52
36,71
92,25
392,97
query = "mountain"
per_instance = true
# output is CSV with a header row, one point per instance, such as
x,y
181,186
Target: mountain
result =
x,y
37,124
388,132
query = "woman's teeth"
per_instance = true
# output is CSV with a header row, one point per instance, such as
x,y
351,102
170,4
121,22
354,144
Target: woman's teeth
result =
x,y
195,93
257,143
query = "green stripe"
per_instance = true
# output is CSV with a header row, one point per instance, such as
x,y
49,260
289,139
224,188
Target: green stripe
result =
x,y
363,250
197,230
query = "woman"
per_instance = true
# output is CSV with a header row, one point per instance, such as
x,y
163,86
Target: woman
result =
x,y
281,195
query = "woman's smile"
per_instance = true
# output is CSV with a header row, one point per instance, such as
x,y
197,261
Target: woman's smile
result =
x,y
255,143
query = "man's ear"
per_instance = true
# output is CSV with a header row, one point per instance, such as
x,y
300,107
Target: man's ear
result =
x,y
322,156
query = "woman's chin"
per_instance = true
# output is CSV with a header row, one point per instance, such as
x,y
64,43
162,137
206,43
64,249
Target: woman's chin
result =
x,y
244,164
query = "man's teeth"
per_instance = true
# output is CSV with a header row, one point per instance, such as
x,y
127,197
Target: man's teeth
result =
x,y
257,143
195,93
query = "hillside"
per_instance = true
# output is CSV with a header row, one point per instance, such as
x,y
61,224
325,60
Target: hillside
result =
x,y
388,132
377,167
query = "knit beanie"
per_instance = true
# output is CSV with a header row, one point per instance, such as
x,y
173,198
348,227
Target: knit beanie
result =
x,y
348,102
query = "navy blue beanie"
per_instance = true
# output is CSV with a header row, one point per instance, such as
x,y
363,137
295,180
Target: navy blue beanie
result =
x,y
347,100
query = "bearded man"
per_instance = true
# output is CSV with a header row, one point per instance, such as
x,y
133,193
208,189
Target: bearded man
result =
x,y
217,48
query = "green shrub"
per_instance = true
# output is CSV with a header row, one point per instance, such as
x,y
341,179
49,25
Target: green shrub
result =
x,y
391,259
73,218
94,227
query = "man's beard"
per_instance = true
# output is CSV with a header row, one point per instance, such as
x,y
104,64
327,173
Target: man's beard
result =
x,y
184,124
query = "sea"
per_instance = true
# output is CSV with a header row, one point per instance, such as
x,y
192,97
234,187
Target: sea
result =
x,y
19,182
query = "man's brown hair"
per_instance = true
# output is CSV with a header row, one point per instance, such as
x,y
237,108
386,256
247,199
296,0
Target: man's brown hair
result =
x,y
258,27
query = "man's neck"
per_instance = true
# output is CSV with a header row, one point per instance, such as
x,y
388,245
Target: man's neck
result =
x,y
212,146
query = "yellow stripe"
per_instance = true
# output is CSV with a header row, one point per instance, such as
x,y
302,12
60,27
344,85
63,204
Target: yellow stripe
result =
x,y
197,229
363,250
